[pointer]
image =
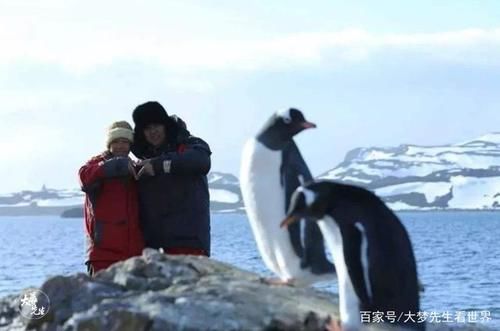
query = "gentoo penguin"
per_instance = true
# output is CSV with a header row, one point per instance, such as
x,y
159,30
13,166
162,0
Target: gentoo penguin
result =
x,y
371,250
271,169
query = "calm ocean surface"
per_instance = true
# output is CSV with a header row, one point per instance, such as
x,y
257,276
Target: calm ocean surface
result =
x,y
458,255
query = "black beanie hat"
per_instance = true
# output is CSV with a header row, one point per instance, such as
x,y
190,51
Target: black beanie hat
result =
x,y
149,113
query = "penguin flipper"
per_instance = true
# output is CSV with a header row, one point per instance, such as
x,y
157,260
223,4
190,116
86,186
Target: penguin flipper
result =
x,y
306,237
293,172
295,234
358,273
314,250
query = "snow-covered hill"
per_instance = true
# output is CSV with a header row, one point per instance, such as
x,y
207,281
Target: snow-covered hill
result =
x,y
409,177
224,189
461,176
225,194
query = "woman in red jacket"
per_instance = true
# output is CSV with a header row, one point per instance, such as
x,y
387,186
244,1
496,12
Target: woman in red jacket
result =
x,y
111,202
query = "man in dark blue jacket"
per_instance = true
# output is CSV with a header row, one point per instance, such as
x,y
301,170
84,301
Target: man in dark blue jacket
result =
x,y
173,189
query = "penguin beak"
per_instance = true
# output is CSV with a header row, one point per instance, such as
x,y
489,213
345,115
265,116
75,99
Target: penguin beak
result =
x,y
289,220
308,125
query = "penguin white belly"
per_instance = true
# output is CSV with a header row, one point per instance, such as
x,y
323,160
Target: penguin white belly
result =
x,y
264,199
349,302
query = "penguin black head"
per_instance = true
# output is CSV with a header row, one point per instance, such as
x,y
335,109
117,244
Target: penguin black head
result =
x,y
281,127
317,198
310,201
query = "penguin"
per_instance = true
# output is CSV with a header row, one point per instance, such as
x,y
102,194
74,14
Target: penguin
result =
x,y
271,169
371,250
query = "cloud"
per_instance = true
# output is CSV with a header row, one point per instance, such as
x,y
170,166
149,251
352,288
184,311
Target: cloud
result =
x,y
84,47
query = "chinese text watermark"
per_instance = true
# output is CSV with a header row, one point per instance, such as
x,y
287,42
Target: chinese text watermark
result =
x,y
425,317
34,304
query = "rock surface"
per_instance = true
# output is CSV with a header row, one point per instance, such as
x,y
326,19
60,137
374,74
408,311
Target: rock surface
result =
x,y
156,292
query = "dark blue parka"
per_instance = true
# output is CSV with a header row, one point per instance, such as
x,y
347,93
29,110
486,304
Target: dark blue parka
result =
x,y
174,203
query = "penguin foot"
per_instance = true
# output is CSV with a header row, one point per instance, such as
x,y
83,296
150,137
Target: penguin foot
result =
x,y
277,281
333,325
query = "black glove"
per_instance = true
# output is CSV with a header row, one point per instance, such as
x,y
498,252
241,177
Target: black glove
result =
x,y
116,167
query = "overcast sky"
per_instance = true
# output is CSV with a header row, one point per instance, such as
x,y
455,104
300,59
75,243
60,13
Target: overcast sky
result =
x,y
369,73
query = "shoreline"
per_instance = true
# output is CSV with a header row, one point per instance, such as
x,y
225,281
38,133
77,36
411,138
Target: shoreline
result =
x,y
56,211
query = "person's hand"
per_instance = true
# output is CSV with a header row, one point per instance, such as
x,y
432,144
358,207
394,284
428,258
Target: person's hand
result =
x,y
118,166
147,168
131,169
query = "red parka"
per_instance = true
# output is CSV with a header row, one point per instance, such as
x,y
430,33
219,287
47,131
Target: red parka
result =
x,y
111,211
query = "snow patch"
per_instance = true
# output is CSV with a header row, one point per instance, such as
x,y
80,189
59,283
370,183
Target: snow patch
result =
x,y
20,204
214,177
355,179
376,155
384,163
398,205
431,191
74,201
491,137
474,193
223,196
227,211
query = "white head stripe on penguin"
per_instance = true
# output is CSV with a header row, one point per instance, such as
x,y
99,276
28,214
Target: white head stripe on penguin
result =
x,y
364,258
285,115
309,195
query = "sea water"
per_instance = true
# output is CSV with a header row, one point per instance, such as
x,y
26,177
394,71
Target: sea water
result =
x,y
458,255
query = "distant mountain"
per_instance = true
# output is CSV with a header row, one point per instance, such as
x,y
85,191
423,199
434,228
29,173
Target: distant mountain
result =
x,y
410,177
225,197
225,194
46,201
407,177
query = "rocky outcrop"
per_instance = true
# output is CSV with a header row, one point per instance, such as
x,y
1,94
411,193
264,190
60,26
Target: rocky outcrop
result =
x,y
161,292
157,292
